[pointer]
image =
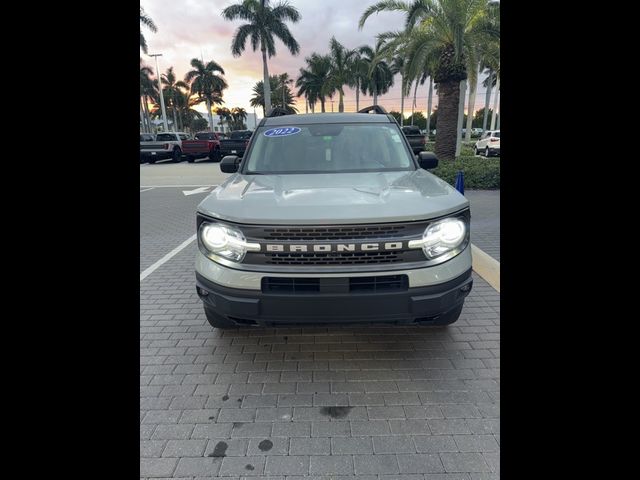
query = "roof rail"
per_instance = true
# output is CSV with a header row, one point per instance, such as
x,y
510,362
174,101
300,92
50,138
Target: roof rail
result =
x,y
375,109
277,112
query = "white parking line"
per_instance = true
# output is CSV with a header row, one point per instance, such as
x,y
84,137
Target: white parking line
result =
x,y
147,189
176,186
166,258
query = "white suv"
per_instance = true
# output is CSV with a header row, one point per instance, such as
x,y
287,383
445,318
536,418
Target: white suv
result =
x,y
488,144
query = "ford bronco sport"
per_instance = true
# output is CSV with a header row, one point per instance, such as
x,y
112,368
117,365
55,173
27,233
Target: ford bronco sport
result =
x,y
330,218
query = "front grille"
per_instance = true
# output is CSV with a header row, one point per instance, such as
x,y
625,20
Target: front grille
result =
x,y
331,235
355,258
334,233
303,286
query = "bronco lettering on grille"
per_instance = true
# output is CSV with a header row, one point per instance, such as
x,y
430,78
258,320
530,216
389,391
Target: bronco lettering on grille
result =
x,y
334,247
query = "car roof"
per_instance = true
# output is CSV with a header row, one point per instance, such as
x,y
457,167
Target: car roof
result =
x,y
310,118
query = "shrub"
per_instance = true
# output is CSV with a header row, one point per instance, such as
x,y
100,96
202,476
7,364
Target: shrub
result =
x,y
479,172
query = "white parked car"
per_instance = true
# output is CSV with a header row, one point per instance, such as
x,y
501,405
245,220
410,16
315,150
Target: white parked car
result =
x,y
488,144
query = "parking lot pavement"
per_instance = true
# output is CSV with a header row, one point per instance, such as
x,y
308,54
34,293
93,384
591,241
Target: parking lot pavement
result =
x,y
359,403
203,172
485,220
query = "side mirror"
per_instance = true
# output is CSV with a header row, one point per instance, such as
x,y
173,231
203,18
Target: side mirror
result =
x,y
427,160
229,164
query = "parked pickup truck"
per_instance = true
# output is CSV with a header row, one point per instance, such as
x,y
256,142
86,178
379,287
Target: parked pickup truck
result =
x,y
415,137
166,145
145,139
236,144
331,218
204,144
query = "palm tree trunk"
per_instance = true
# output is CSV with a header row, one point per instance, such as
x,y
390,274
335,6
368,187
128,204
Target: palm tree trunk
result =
x,y
463,92
145,105
180,124
267,85
487,99
413,106
357,95
322,104
448,103
175,121
210,115
471,107
429,105
495,104
401,100
142,124
341,101
375,97
498,114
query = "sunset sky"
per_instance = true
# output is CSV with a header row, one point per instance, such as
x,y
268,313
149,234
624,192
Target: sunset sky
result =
x,y
191,28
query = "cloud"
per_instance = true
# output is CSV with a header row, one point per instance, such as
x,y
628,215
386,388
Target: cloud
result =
x,y
190,28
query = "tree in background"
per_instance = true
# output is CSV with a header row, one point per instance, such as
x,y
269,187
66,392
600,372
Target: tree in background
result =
x,y
198,124
207,83
238,116
264,22
147,22
258,100
314,80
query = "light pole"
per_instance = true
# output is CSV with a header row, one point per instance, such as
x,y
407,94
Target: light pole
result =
x,y
164,113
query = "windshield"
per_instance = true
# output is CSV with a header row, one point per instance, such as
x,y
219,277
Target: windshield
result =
x,y
328,148
497,134
164,137
240,135
205,136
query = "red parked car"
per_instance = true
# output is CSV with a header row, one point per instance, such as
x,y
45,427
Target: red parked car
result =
x,y
205,144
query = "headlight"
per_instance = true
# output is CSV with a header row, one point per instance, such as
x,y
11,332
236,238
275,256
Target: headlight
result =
x,y
442,237
225,241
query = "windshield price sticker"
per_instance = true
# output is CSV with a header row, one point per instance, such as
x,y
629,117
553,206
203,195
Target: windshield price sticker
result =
x,y
281,132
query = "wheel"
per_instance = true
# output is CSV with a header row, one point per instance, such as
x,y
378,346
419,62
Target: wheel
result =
x,y
191,159
152,160
449,317
475,150
486,152
214,155
177,155
216,320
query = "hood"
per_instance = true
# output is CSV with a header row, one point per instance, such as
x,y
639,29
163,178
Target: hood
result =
x,y
324,199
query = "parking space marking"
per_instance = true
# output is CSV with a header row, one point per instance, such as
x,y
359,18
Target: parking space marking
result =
x,y
147,189
486,266
167,257
176,186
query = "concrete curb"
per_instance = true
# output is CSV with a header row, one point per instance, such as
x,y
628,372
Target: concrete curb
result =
x,y
486,266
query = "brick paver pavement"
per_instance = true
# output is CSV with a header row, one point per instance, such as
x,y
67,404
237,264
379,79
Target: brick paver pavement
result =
x,y
361,403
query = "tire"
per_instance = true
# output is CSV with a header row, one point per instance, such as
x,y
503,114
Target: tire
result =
x,y
218,321
449,317
214,155
475,150
177,155
152,161
191,159
486,152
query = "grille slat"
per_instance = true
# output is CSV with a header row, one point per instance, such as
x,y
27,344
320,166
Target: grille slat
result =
x,y
302,286
331,259
334,233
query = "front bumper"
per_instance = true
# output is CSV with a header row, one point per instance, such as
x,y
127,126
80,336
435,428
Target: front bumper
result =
x,y
158,155
411,306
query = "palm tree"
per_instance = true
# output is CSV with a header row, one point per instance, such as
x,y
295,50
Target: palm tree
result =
x,y
171,91
225,116
357,73
314,81
238,116
147,22
398,66
340,71
264,21
186,113
146,90
258,100
379,75
450,29
207,83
